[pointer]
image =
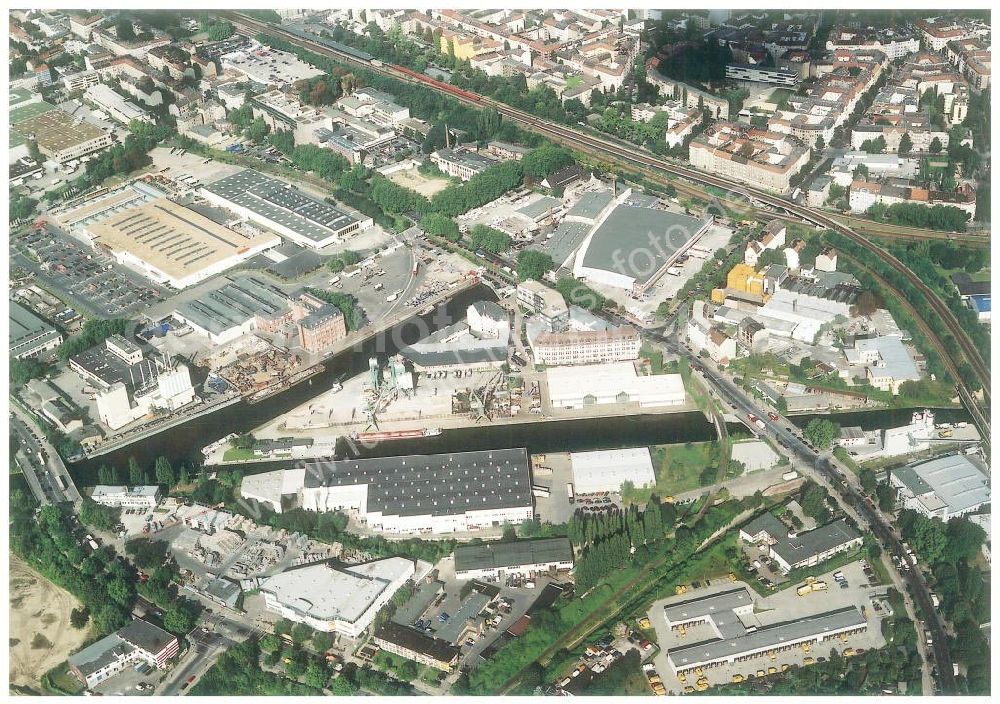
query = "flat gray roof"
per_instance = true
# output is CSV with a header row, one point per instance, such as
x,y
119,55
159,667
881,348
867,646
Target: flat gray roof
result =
x,y
325,592
27,330
439,485
282,203
655,234
591,204
955,479
542,205
767,637
512,554
233,303
720,608
565,240
469,609
98,655
145,636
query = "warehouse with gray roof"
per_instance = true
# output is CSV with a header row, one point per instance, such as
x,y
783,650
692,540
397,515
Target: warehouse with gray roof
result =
x,y
29,335
735,642
632,247
446,493
229,310
524,557
943,488
284,209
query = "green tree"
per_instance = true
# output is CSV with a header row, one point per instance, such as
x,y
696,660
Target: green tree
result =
x,y
78,618
301,633
532,264
489,239
440,226
821,432
164,472
136,475
935,146
905,144
180,617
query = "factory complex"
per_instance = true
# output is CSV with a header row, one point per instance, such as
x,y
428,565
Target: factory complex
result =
x,y
409,495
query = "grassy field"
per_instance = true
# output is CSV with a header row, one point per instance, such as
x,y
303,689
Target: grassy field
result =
x,y
61,681
234,454
678,469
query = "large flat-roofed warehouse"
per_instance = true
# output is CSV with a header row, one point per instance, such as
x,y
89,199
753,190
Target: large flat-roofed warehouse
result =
x,y
945,487
524,557
608,470
285,209
446,493
59,136
175,245
229,311
29,335
615,382
335,600
734,641
634,246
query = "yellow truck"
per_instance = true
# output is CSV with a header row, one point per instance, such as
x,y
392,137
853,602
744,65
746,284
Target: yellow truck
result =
x,y
737,679
818,586
644,623
804,589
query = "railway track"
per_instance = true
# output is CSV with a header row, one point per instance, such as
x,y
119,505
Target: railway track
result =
x,y
630,154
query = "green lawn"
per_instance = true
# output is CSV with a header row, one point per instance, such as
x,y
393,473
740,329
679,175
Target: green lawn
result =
x,y
573,81
655,358
678,469
781,95
61,681
981,276
234,454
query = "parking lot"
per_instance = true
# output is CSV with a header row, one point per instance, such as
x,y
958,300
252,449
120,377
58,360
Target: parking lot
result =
x,y
784,606
464,622
85,277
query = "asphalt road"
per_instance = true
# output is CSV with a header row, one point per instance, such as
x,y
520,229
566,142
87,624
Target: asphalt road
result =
x,y
40,462
846,485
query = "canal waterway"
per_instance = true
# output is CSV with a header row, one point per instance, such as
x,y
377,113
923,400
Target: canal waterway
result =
x,y
182,444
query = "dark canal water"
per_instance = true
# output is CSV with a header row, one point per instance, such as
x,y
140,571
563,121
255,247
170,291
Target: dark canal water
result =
x,y
183,443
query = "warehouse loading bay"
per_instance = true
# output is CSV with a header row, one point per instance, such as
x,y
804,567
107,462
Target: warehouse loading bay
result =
x,y
784,606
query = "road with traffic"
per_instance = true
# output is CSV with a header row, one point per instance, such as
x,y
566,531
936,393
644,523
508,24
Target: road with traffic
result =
x,y
41,465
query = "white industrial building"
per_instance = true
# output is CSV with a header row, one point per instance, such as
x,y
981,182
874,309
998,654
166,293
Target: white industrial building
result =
x,y
336,600
126,496
887,362
943,488
120,109
118,406
608,470
487,319
586,346
614,382
447,493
